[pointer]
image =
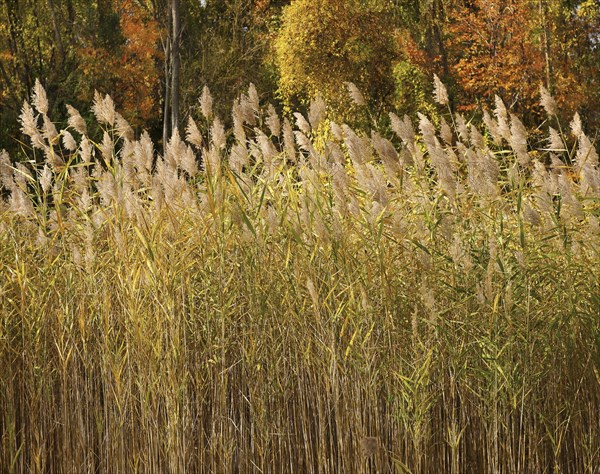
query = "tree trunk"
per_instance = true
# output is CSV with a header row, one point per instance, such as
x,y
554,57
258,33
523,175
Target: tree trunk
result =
x,y
172,67
546,46
438,19
167,92
22,67
71,16
175,63
9,87
57,37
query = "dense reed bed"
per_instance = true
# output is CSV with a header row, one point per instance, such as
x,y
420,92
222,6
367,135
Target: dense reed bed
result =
x,y
300,299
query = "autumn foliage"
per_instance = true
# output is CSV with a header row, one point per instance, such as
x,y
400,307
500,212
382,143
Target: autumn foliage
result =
x,y
494,53
295,50
130,71
323,44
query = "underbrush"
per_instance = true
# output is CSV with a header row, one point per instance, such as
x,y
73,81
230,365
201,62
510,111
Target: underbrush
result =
x,y
299,299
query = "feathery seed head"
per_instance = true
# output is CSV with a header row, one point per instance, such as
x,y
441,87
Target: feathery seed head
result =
x,y
441,163
355,94
492,127
213,161
427,130
358,148
52,158
317,111
80,179
303,142
107,187
387,153
439,90
22,175
273,121
188,162
39,98
446,132
461,128
104,109
146,158
237,114
217,133
206,103
253,98
238,158
530,214
589,183
335,156
126,155
502,118
68,141
587,156
594,226
49,130
28,120
302,123
576,125
46,179
548,101
289,140
570,207
268,151
123,128
192,133
6,170
557,164
86,150
543,188
20,204
106,148
555,141
477,139
29,126
459,253
246,111
336,131
518,140
174,150
403,128
76,121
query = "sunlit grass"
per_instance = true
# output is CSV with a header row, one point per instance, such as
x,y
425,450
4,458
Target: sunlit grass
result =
x,y
302,301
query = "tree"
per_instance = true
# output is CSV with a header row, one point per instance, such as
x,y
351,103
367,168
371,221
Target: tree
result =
x,y
426,21
573,56
29,48
123,61
493,53
322,44
510,47
172,71
108,45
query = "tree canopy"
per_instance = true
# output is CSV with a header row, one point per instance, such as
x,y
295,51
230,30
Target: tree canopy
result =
x,y
321,45
154,57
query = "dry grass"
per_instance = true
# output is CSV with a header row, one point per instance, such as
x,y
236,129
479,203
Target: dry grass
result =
x,y
306,301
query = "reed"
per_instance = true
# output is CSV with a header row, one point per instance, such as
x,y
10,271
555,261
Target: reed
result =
x,y
310,298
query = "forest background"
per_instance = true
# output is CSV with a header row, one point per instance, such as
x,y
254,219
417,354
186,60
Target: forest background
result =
x,y
154,57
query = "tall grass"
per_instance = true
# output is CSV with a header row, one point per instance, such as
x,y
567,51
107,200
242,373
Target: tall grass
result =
x,y
309,299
